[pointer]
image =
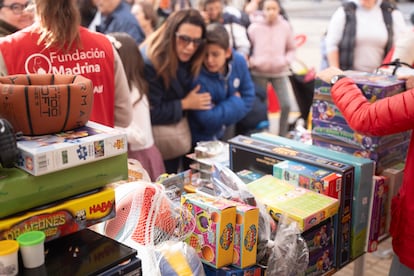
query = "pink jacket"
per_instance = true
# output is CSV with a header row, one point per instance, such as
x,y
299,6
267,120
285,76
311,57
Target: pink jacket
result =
x,y
390,115
273,47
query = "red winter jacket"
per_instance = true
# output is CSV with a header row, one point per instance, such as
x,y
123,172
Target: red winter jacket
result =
x,y
387,116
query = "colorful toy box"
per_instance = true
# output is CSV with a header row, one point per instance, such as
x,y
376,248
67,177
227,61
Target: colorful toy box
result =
x,y
376,220
374,86
364,171
213,236
343,133
62,218
21,191
384,156
303,206
245,235
395,177
234,271
309,177
44,154
261,155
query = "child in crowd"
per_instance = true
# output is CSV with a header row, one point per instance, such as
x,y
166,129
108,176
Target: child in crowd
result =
x,y
272,54
139,133
225,75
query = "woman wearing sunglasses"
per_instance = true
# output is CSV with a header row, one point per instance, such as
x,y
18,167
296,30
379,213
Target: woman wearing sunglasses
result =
x,y
173,56
14,15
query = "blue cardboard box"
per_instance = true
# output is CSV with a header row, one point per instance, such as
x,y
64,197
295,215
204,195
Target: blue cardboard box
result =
x,y
364,171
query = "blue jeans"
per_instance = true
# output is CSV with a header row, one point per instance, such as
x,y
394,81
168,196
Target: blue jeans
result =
x,y
398,269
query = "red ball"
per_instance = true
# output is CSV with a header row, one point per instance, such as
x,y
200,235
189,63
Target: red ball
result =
x,y
38,104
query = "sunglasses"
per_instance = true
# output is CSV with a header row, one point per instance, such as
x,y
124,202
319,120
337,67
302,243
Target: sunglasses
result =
x,y
186,40
18,8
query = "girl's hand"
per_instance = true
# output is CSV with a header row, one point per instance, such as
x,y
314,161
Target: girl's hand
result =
x,y
327,74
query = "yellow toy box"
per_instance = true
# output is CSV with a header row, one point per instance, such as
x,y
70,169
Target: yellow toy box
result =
x,y
304,206
246,235
213,236
64,217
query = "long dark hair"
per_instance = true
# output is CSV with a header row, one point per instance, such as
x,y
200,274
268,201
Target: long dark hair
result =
x,y
161,45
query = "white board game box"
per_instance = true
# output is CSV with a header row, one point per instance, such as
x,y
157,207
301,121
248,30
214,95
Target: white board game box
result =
x,y
44,154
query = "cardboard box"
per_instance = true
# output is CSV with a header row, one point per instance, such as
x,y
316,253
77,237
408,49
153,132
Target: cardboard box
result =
x,y
374,86
62,218
379,196
245,235
303,206
384,156
258,154
364,171
21,191
234,271
310,177
44,154
213,236
395,178
343,133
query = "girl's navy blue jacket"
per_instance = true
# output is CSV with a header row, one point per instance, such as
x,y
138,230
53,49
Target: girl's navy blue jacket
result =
x,y
227,109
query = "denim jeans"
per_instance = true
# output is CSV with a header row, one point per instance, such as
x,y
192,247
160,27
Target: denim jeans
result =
x,y
398,269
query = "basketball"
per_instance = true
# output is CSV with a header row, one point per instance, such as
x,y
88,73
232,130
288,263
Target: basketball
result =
x,y
38,104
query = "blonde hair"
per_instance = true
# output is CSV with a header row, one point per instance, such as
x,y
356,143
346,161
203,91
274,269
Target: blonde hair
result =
x,y
59,23
161,45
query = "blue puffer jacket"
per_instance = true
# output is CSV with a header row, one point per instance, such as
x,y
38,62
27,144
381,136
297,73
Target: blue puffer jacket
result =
x,y
228,109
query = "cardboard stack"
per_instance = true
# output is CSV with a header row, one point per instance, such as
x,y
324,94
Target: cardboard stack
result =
x,y
59,185
330,129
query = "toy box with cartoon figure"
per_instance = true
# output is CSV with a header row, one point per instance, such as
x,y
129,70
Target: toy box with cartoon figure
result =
x,y
44,154
213,236
245,235
310,177
345,134
234,271
384,156
62,218
364,169
320,241
374,86
21,191
258,154
306,207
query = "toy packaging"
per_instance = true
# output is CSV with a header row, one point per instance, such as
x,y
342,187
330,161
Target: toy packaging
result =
x,y
305,207
20,191
310,177
62,218
213,236
395,177
378,205
234,271
245,235
44,154
364,171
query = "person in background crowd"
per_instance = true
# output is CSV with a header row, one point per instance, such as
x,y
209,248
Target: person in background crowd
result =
x,y
140,140
362,41
213,11
271,56
116,16
254,8
146,16
14,15
225,75
66,47
404,49
384,117
87,10
173,57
